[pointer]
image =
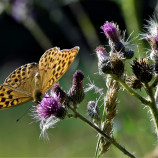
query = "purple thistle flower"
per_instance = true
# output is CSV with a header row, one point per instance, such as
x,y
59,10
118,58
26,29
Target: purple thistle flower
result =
x,y
21,9
48,112
48,107
110,31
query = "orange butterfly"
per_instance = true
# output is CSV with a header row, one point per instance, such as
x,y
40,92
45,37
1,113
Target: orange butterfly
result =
x,y
31,81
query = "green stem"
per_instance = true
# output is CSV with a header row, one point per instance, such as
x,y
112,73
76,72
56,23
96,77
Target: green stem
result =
x,y
152,106
154,83
108,138
131,91
97,147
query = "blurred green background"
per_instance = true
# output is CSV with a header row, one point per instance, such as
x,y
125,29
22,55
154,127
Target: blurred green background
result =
x,y
27,29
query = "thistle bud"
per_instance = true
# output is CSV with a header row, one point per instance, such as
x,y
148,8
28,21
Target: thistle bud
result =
x,y
117,64
104,64
142,70
112,34
61,112
133,82
76,92
93,110
110,31
128,54
63,98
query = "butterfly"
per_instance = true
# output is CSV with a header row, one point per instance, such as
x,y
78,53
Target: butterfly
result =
x,y
31,81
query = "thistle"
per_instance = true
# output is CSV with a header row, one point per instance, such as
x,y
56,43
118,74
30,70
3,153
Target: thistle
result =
x,y
76,92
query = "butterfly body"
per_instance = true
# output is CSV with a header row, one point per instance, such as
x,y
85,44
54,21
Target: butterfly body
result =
x,y
31,81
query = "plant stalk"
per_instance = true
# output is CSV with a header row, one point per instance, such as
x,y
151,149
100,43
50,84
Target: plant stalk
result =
x,y
108,138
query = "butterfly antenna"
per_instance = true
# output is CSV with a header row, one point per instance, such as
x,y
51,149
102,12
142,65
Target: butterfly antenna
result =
x,y
23,114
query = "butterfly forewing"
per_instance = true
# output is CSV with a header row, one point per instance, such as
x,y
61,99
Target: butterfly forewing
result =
x,y
56,69
45,63
10,97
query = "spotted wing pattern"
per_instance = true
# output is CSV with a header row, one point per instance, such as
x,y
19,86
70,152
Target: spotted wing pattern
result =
x,y
53,71
10,97
23,78
18,86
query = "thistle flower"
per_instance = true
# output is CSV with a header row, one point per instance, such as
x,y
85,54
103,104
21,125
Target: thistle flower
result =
x,y
48,112
104,64
110,31
76,92
142,70
113,35
20,9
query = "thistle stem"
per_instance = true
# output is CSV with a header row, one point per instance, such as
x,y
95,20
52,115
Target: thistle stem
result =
x,y
152,105
131,91
154,83
108,138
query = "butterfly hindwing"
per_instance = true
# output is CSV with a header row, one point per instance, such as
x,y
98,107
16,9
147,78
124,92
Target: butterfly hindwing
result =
x,y
23,77
55,70
10,97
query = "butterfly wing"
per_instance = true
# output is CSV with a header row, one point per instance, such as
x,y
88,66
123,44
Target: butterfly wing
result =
x,y
53,64
18,86
10,97
23,78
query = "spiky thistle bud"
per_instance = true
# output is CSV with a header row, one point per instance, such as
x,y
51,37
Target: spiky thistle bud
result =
x,y
142,70
112,33
93,111
104,64
133,82
128,54
63,97
117,64
76,92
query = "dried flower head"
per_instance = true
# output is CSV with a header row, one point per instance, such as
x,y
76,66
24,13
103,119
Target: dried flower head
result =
x,y
76,92
93,110
117,64
133,82
104,64
142,70
151,35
